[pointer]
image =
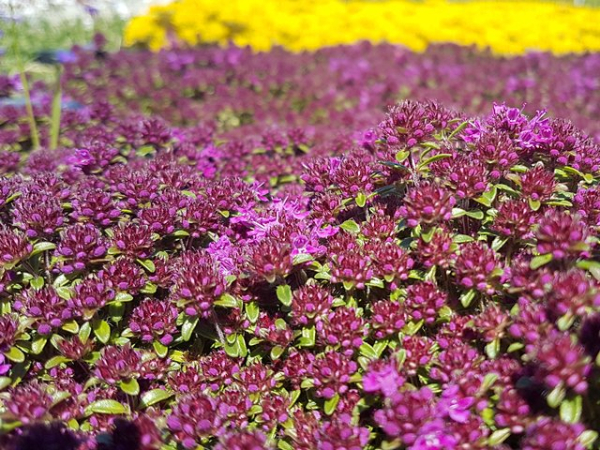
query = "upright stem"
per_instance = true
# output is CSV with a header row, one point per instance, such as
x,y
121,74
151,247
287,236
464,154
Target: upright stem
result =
x,y
56,105
35,137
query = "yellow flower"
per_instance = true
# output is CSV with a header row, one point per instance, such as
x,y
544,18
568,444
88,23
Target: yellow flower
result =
x,y
507,27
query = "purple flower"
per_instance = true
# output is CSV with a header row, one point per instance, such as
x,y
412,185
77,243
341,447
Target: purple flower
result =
x,y
13,247
117,364
427,204
478,267
89,296
342,328
561,362
551,434
331,374
405,413
562,235
341,434
454,406
45,306
132,240
434,435
383,377
94,205
243,440
193,418
38,215
79,244
154,319
198,283
27,403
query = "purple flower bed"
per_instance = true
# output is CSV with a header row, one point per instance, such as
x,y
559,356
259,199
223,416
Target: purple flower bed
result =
x,y
238,251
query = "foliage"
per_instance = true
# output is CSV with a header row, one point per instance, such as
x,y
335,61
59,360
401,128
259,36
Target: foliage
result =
x,y
238,250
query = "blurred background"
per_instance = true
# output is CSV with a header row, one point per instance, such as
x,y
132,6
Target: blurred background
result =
x,y
507,27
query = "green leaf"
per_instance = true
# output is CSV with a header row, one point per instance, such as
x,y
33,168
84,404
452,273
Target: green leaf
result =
x,y
160,349
106,406
149,288
376,282
411,328
368,351
428,235
241,343
84,332
488,381
458,129
498,243
15,355
587,438
55,361
123,297
393,165
402,155
42,247
573,172
302,258
331,404
284,294
380,347
493,348
154,396
189,324
64,292
37,283
307,383
38,344
308,338
534,204
116,310
539,261
462,239
276,352
498,437
227,301
570,409
60,396
565,322
350,226
5,382
232,349
433,159
252,311
555,397
515,347
101,330
458,212
147,264
180,233
130,387
477,215
361,200
71,327
467,298
283,445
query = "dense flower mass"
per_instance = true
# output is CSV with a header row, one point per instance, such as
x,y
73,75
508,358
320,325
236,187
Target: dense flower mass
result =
x,y
240,250
298,25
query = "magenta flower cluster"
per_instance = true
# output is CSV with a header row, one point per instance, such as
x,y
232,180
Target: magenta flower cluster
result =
x,y
233,250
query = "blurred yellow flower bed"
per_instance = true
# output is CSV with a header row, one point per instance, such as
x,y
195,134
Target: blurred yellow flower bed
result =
x,y
507,27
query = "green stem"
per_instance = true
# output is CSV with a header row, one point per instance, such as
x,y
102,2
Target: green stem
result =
x,y
35,137
56,111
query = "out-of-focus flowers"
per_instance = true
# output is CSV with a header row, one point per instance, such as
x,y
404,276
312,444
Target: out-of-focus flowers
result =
x,y
283,23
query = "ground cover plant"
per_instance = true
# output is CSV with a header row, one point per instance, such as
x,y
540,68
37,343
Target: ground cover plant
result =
x,y
234,250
